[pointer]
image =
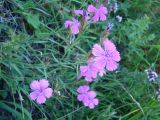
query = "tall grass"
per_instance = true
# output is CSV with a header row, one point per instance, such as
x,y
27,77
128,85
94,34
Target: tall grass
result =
x,y
34,44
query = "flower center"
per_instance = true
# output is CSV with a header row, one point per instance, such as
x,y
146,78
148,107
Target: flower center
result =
x,y
107,54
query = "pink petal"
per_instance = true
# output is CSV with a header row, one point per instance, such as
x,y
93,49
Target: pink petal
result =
x,y
34,95
88,75
87,17
100,62
111,65
83,89
102,17
116,56
78,12
80,97
68,23
48,92
76,22
35,85
91,105
96,17
74,29
103,9
101,72
89,72
86,102
83,70
93,70
91,94
88,78
41,99
109,46
97,50
95,101
44,83
91,8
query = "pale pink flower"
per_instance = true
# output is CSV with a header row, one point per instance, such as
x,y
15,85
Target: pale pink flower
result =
x,y
73,25
106,57
99,14
40,91
92,101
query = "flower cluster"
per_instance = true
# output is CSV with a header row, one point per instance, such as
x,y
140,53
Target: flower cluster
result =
x,y
87,97
92,13
105,56
104,59
40,90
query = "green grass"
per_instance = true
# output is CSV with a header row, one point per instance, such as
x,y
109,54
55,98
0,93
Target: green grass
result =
x,y
34,44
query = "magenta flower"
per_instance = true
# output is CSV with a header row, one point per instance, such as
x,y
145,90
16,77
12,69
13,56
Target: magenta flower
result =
x,y
99,14
89,72
41,91
73,25
82,90
83,13
91,102
87,97
107,57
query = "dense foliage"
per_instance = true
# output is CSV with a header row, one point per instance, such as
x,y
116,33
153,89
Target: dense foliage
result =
x,y
35,44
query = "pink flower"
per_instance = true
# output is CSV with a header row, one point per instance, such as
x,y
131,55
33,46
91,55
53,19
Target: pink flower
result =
x,y
107,57
73,25
89,72
87,97
91,102
83,13
41,91
99,14
82,90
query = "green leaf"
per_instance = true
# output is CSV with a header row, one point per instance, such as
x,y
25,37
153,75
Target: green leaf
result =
x,y
33,20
